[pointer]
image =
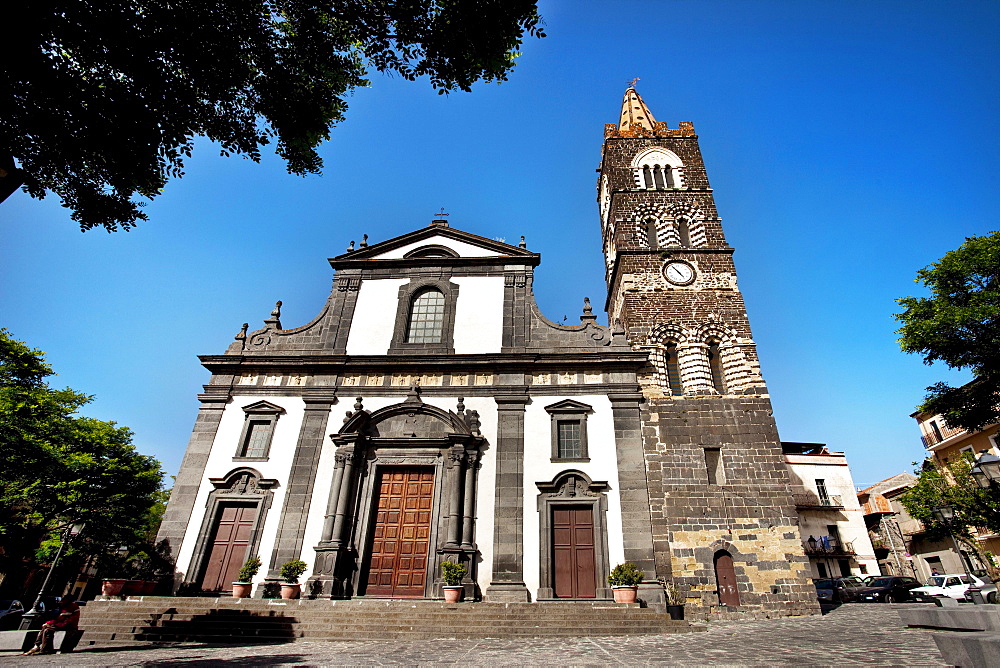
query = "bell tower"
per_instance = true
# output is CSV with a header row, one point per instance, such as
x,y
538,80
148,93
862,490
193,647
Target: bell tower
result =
x,y
724,522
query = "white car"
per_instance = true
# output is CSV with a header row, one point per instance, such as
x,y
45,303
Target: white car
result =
x,y
952,585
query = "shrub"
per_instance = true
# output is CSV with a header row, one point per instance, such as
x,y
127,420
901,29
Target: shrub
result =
x,y
452,573
625,575
249,570
291,570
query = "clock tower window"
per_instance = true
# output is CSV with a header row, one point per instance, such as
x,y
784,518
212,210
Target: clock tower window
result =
x,y
715,365
683,232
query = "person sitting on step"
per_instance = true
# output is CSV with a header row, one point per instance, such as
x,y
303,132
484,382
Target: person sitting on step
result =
x,y
67,620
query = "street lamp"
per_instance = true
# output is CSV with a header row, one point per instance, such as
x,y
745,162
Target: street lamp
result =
x,y
986,469
31,620
945,514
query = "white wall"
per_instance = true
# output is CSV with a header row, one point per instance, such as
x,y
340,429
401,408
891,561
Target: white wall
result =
x,y
375,317
460,247
479,314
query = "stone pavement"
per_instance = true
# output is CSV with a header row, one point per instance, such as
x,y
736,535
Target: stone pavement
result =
x,y
852,635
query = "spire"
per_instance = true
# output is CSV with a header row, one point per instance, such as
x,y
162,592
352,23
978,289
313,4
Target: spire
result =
x,y
634,110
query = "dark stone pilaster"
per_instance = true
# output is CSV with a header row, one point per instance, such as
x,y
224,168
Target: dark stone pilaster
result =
x,y
192,473
633,492
301,480
508,515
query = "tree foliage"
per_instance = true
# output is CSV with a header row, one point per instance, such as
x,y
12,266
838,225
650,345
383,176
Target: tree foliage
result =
x,y
60,468
952,485
103,98
959,324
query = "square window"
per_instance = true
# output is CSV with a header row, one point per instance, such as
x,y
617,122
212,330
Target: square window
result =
x,y
568,435
569,430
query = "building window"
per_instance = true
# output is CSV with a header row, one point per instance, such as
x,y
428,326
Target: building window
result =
x,y
258,431
672,367
713,465
426,322
824,495
651,240
569,430
937,431
657,169
425,317
715,365
683,233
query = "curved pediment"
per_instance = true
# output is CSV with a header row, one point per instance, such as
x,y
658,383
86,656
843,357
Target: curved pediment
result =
x,y
408,419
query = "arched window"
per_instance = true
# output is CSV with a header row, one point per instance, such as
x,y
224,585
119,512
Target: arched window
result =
x,y
657,169
715,364
650,226
672,369
647,177
683,232
658,177
426,320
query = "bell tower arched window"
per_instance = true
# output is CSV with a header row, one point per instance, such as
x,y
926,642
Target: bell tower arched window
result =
x,y
715,365
683,232
658,169
426,321
650,226
672,368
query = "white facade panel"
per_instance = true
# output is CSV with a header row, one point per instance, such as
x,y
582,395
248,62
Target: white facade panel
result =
x,y
479,314
374,317
460,247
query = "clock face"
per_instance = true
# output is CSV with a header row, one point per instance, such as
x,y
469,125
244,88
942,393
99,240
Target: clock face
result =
x,y
679,273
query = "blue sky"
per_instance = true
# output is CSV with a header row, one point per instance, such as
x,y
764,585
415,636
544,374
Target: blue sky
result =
x,y
849,144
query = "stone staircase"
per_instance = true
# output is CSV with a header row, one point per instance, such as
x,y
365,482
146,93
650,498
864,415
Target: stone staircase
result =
x,y
220,620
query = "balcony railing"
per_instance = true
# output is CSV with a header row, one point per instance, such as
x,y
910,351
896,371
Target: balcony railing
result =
x,y
828,546
930,439
828,502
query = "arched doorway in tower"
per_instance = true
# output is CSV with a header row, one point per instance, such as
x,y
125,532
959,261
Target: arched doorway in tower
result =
x,y
725,579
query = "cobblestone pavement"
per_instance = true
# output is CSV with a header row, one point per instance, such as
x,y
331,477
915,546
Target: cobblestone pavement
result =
x,y
853,635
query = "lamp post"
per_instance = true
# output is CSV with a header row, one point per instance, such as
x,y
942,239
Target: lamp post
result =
x,y
945,514
31,620
986,470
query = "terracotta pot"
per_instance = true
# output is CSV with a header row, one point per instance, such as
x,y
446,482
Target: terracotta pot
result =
x,y
290,591
148,587
453,593
625,594
675,611
242,589
132,588
113,586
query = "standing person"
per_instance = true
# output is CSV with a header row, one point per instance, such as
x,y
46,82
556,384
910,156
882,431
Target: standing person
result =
x,y
67,619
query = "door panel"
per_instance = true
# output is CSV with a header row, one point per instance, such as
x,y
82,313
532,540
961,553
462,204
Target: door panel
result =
x,y
725,579
229,543
573,552
398,562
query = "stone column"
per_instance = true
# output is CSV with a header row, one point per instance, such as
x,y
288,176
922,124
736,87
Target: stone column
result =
x,y
469,511
343,496
634,494
454,478
299,488
508,516
331,503
192,473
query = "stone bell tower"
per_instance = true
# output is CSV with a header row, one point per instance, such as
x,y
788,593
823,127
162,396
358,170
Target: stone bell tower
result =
x,y
724,522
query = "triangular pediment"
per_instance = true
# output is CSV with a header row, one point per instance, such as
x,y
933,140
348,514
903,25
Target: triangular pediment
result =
x,y
434,243
569,406
263,407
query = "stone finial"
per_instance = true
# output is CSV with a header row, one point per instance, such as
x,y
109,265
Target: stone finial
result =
x,y
522,244
350,249
347,417
618,334
357,405
474,423
413,396
461,407
241,336
588,312
275,318
364,241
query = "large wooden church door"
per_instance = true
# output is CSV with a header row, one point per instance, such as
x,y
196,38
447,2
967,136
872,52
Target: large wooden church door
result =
x,y
398,565
573,552
725,579
229,543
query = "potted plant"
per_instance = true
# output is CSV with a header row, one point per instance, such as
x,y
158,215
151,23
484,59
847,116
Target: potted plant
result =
x,y
452,574
624,581
675,601
290,573
246,575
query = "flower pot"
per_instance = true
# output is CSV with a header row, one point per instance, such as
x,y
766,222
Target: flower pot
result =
x,y
113,586
242,589
453,593
148,587
290,591
675,611
132,588
625,594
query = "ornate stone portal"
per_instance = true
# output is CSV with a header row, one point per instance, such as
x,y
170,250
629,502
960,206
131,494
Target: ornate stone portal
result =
x,y
408,435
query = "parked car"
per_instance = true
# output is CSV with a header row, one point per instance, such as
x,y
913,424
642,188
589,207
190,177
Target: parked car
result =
x,y
10,613
836,590
952,585
989,592
888,589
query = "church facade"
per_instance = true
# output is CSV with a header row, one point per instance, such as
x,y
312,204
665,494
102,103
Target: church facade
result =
x,y
430,412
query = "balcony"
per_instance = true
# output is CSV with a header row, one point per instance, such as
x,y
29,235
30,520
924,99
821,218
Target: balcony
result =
x,y
828,546
810,501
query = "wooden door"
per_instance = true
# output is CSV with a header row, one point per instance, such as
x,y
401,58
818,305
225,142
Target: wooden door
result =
x,y
398,564
725,579
573,552
229,543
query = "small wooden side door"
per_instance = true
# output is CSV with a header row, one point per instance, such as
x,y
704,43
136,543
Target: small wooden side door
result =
x,y
725,579
230,540
573,552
